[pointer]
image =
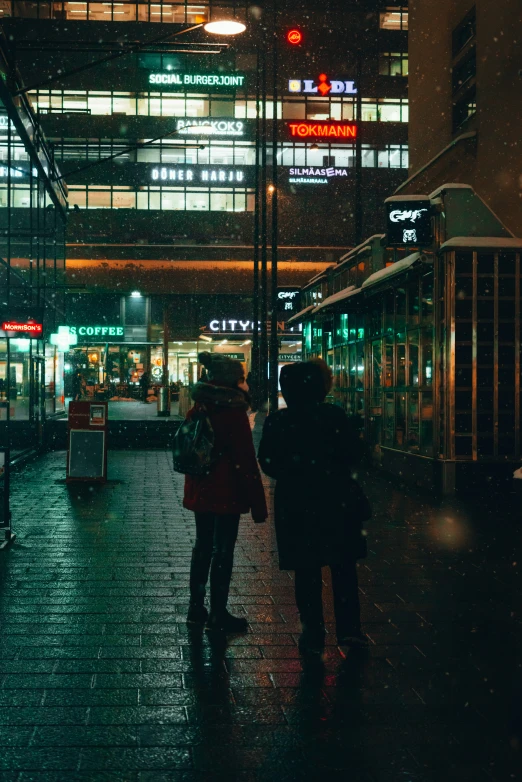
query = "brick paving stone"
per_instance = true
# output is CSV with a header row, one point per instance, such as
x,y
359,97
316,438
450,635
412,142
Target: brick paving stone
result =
x,y
100,678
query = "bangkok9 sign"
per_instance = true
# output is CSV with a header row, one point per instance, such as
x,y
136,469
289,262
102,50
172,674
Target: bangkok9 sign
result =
x,y
325,130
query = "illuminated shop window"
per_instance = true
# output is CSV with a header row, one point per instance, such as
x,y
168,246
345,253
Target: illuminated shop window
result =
x,y
161,198
395,17
175,12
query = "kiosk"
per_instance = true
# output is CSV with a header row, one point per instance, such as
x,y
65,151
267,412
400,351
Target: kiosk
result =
x,y
87,442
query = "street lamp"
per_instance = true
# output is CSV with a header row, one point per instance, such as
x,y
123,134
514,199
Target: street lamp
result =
x,y
223,22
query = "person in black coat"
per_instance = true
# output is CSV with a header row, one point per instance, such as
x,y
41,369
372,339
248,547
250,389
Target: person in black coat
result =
x,y
310,448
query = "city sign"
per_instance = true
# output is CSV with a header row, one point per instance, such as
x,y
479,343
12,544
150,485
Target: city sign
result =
x,y
409,222
323,86
315,176
322,130
289,357
295,37
182,80
210,127
236,356
96,331
204,175
221,325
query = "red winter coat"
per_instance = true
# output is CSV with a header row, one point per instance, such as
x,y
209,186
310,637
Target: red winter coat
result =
x,y
234,484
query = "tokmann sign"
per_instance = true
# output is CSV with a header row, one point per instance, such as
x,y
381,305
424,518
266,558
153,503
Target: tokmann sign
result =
x,y
323,131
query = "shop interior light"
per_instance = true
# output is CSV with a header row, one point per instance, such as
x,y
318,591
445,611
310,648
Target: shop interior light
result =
x,y
135,295
314,147
205,338
21,345
222,21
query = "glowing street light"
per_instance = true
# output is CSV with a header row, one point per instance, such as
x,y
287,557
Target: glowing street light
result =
x,y
223,21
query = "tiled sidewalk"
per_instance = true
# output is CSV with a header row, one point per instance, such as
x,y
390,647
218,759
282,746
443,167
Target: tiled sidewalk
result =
x,y
100,678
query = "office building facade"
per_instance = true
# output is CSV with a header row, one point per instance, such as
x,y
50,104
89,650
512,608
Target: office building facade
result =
x,y
159,153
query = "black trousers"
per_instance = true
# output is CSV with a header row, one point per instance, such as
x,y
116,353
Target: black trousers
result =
x,y
309,599
213,552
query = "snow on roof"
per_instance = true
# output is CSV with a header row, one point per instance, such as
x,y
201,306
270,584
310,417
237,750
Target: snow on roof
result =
x,y
406,198
390,271
300,314
339,296
361,246
449,186
483,241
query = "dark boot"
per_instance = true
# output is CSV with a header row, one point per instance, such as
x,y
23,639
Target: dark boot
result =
x,y
220,575
199,568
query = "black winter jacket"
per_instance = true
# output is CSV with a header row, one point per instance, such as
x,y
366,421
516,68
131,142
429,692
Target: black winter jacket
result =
x,y
311,451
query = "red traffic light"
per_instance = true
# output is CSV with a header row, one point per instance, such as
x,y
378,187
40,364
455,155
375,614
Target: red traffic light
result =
x,y
295,37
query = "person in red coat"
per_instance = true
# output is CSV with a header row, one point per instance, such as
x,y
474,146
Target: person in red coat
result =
x,y
232,487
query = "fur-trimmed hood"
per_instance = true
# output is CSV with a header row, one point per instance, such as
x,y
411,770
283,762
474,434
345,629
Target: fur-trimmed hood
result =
x,y
220,396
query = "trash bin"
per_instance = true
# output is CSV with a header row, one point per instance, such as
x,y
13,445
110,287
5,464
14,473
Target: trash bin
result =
x,y
163,401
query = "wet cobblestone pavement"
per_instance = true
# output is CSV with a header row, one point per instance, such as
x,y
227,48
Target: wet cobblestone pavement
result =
x,y
100,679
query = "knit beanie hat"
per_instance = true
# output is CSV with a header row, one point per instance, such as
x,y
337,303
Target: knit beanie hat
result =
x,y
222,370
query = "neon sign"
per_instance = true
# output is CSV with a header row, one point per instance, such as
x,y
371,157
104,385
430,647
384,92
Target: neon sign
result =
x,y
197,79
409,222
397,215
339,131
323,86
214,127
294,37
97,331
315,176
34,329
203,175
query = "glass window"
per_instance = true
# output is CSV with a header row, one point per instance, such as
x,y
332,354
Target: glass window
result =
x,y
369,111
222,201
394,18
413,351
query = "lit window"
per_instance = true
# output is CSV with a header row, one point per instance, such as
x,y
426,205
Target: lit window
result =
x,y
394,18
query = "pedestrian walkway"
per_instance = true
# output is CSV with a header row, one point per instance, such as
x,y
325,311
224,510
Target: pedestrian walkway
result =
x,y
100,679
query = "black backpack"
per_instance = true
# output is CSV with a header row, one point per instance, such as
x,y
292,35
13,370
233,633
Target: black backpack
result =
x,y
193,448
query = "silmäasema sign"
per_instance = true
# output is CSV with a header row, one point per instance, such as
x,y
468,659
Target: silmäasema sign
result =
x,y
310,175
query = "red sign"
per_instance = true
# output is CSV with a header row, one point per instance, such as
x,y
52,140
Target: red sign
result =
x,y
32,329
325,130
294,37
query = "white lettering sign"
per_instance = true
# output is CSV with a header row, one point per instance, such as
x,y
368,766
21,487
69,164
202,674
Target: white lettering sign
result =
x,y
217,127
315,176
398,215
206,175
198,79
97,331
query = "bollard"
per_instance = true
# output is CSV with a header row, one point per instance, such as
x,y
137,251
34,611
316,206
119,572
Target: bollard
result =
x,y
163,401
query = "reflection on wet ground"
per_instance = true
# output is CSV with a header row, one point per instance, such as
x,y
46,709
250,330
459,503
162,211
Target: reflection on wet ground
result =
x,y
100,678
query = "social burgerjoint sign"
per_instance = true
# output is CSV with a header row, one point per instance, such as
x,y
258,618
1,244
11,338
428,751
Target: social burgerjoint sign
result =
x,y
182,81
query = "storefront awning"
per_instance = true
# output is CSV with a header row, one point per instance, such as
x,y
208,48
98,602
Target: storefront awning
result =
x,y
391,271
336,298
300,315
486,242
